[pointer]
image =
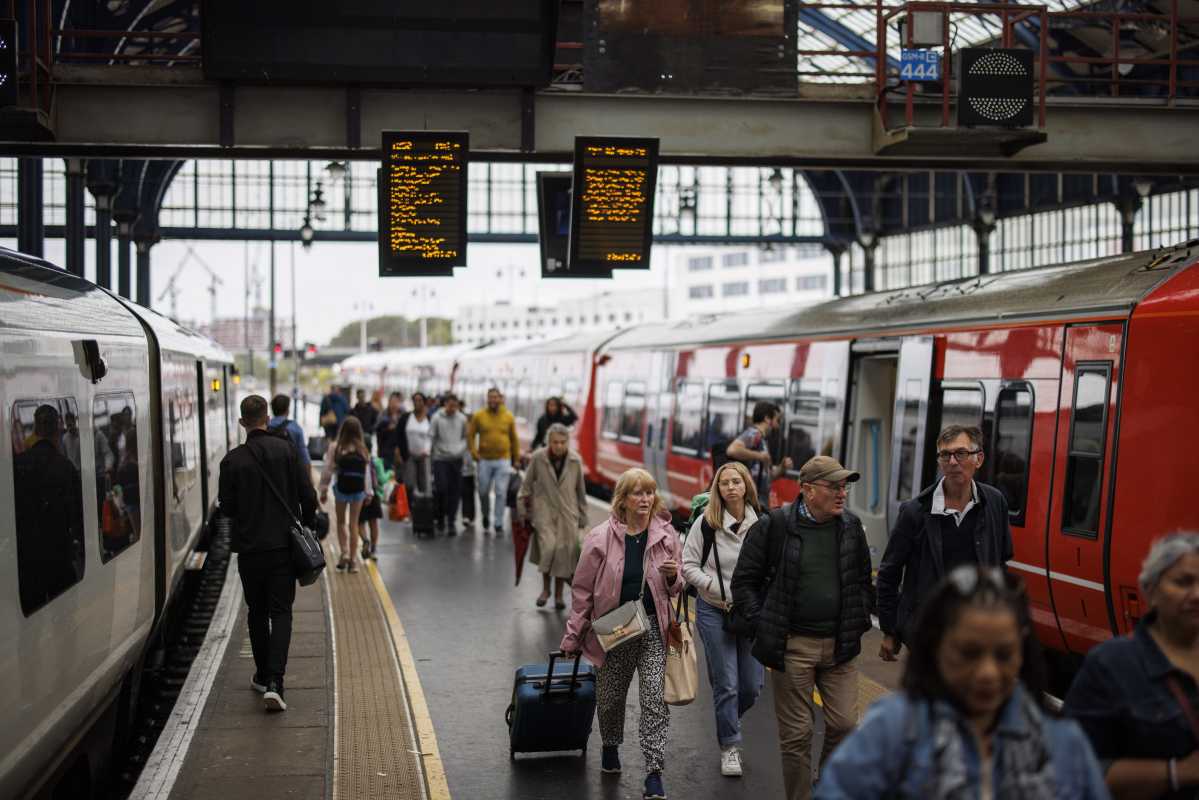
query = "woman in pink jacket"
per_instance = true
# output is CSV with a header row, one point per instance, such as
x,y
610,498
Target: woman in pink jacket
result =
x,y
636,544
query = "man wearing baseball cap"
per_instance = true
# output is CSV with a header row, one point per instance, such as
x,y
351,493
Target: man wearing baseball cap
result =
x,y
803,580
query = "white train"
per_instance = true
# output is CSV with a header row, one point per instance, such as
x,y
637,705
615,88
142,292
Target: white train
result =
x,y
117,422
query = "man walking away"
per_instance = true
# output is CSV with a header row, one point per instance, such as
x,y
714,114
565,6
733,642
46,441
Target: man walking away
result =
x,y
803,580
449,448
262,540
367,414
279,423
956,521
491,437
750,449
334,408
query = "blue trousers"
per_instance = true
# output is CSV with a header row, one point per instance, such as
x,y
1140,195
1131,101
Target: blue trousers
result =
x,y
736,676
494,473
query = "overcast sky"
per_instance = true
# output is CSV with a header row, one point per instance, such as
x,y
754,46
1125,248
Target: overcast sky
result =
x,y
332,278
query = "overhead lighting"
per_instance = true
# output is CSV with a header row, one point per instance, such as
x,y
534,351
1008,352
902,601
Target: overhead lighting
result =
x,y
336,170
986,215
318,204
1143,187
776,179
307,233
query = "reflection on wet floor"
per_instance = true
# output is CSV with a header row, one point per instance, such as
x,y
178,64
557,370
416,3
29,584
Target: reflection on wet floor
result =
x,y
470,628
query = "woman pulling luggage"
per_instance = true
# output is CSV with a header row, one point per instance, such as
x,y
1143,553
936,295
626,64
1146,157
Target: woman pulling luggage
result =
x,y
620,614
709,558
348,467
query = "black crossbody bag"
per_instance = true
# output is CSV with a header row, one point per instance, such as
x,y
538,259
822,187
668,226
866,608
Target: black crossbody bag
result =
x,y
731,620
306,555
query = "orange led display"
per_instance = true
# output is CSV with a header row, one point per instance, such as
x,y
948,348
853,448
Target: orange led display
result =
x,y
422,204
613,212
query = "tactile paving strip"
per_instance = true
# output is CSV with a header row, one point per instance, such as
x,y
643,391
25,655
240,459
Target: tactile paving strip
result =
x,y
377,753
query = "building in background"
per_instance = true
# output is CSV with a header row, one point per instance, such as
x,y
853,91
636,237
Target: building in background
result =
x,y
712,280
238,333
603,311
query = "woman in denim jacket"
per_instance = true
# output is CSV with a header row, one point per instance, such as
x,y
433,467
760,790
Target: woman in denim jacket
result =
x,y
1135,695
969,722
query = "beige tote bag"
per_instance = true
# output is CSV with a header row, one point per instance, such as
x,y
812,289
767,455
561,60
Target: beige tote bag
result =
x,y
682,671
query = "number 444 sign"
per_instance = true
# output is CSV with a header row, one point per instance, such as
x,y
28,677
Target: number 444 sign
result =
x,y
920,65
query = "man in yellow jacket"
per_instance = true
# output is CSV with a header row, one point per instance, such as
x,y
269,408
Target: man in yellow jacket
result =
x,y
491,436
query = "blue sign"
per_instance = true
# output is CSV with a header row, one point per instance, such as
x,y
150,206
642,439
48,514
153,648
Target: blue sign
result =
x,y
920,65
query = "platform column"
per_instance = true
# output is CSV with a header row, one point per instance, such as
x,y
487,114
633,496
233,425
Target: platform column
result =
x,y
31,231
869,242
103,189
76,232
124,265
1129,205
837,251
143,271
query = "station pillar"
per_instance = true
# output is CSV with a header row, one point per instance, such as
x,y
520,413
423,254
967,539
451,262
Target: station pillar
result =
x,y
76,230
1129,205
31,231
143,271
869,242
982,235
103,189
124,265
838,252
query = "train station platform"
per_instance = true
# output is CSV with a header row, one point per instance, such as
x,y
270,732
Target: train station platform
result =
x,y
415,709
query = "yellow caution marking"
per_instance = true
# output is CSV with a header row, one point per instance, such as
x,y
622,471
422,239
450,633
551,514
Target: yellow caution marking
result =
x,y
435,779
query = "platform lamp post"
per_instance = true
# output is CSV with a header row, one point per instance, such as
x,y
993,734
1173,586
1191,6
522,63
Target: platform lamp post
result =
x,y
984,225
868,240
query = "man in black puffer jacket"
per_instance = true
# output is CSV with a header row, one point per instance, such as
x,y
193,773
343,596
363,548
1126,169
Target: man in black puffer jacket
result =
x,y
803,579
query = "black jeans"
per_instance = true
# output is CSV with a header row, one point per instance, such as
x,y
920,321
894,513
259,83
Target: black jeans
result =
x,y
447,480
269,582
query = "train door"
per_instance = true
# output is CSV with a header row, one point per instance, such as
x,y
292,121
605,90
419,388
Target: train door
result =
x,y
205,451
868,441
1082,477
659,404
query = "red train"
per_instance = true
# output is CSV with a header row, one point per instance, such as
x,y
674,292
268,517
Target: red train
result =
x,y
1079,375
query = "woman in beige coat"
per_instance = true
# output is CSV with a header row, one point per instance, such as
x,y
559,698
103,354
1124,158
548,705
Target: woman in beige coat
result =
x,y
553,488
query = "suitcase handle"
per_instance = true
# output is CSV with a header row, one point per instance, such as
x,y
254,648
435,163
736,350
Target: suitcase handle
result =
x,y
549,677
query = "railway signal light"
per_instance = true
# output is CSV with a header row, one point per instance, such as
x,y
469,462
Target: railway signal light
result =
x,y
278,349
309,350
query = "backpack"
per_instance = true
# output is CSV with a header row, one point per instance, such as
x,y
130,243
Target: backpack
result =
x,y
720,453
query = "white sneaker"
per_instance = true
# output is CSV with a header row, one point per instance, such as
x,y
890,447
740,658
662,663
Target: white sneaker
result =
x,y
730,763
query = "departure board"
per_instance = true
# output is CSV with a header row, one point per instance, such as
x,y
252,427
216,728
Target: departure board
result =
x,y
612,213
422,211
553,228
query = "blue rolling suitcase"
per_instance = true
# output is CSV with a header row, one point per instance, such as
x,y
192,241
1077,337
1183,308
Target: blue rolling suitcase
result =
x,y
548,716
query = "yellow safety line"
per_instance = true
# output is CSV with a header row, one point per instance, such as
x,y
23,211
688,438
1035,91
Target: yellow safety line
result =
x,y
435,779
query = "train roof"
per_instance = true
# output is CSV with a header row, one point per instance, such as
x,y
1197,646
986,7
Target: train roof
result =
x,y
36,295
1106,285
572,343
173,336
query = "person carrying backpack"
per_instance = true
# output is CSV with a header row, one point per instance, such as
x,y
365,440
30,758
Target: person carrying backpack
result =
x,y
751,449
289,428
709,559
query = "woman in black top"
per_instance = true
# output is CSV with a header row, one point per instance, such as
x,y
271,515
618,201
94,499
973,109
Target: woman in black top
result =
x,y
1137,697
556,411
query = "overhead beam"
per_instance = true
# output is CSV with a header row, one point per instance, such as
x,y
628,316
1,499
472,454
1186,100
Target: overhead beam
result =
x,y
181,119
842,35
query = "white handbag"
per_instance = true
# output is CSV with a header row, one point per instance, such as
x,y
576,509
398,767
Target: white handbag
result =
x,y
625,623
682,669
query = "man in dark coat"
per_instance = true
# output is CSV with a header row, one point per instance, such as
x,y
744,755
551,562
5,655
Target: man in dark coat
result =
x,y
957,521
803,580
262,538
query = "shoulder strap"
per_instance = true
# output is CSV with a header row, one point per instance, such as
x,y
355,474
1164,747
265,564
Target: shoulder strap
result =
x,y
708,535
271,485
1180,695
710,544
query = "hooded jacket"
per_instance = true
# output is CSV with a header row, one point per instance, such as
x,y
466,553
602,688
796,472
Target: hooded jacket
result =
x,y
767,581
595,589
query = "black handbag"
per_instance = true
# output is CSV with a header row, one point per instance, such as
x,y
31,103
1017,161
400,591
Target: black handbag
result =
x,y
732,621
307,557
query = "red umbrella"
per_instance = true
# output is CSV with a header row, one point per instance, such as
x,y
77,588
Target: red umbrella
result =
x,y
522,532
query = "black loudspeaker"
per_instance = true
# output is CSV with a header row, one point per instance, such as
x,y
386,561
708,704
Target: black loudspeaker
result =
x,y
995,87
8,63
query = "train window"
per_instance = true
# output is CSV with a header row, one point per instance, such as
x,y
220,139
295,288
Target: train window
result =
x,y
803,420
570,393
118,494
909,425
1084,462
687,433
724,413
830,418
1013,445
47,498
182,429
612,399
633,413
962,406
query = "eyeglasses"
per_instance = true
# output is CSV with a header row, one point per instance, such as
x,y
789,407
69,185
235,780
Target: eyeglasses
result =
x,y
968,579
957,455
835,488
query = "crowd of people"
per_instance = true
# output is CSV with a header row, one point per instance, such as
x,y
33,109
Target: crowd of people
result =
x,y
790,589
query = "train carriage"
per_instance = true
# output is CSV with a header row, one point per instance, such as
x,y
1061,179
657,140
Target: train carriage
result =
x,y
117,419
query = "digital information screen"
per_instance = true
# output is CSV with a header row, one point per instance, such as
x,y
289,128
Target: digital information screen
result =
x,y
553,228
612,211
422,204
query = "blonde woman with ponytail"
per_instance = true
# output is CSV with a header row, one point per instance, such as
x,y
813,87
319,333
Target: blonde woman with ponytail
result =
x,y
709,558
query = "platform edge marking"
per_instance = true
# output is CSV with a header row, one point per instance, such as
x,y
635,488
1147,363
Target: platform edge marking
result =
x,y
435,777
158,777
327,588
